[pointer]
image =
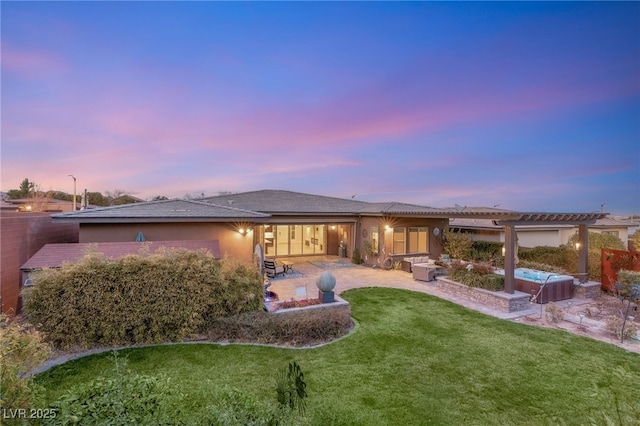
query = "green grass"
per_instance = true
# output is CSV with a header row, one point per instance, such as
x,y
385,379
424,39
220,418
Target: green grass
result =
x,y
414,359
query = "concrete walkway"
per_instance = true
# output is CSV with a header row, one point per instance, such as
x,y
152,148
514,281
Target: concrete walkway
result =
x,y
350,276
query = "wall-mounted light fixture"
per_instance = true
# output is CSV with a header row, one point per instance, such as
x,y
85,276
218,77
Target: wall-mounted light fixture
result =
x,y
333,227
243,228
577,245
387,227
504,250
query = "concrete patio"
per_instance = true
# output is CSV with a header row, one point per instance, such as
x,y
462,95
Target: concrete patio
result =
x,y
348,276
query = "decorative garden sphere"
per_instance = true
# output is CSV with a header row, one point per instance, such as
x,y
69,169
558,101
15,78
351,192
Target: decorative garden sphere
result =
x,y
326,281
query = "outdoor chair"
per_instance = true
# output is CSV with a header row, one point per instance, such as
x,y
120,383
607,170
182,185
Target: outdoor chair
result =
x,y
272,269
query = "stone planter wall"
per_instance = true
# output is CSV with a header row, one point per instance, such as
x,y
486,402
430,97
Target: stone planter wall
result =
x,y
500,300
339,305
589,290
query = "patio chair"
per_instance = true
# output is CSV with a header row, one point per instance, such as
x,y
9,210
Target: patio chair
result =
x,y
272,269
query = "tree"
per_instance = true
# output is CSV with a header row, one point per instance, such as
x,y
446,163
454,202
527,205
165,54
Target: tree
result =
x,y
25,191
97,199
597,241
159,198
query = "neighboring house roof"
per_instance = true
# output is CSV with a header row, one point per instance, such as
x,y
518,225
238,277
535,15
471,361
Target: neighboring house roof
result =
x,y
162,211
606,222
54,255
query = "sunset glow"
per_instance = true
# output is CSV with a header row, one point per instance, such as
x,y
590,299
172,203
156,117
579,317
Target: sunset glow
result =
x,y
530,106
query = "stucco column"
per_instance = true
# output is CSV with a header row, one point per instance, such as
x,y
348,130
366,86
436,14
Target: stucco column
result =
x,y
583,249
509,258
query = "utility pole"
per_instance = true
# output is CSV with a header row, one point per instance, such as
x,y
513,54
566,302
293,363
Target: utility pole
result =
x,y
74,192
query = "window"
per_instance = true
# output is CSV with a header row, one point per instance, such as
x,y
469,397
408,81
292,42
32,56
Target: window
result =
x,y
399,240
375,238
418,239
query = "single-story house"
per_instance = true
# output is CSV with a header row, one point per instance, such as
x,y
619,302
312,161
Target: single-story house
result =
x,y
552,235
287,223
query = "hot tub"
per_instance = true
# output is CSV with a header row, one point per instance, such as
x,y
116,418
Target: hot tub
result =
x,y
530,281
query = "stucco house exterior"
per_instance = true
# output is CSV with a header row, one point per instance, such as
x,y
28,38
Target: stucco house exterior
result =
x,y
285,223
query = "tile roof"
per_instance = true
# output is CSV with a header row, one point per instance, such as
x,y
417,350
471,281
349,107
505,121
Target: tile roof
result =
x,y
163,211
260,205
288,202
54,255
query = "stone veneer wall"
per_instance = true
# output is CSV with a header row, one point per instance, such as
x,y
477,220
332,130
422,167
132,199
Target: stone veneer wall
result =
x,y
589,290
339,305
500,300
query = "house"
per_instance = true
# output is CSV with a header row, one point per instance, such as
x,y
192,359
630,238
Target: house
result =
x,y
544,234
287,223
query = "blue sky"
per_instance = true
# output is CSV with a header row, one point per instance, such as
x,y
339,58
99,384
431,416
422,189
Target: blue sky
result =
x,y
530,106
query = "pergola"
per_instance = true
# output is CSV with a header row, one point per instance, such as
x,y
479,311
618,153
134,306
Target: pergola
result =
x,y
509,220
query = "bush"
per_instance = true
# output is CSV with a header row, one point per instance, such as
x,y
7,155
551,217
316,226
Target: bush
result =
x,y
21,350
555,256
123,399
356,257
457,244
163,297
553,313
484,251
614,326
477,275
597,241
627,280
304,327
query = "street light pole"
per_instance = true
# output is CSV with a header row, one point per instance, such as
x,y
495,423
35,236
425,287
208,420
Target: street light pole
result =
x,y
74,192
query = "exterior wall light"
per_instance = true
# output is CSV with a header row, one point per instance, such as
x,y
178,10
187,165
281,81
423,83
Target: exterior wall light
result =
x,y
504,250
577,245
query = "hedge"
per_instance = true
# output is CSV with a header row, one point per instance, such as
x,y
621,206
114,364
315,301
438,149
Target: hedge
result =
x,y
166,296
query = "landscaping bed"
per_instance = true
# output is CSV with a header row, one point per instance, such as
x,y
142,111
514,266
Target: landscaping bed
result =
x,y
500,300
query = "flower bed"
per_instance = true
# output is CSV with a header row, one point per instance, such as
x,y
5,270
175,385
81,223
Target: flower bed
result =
x,y
288,304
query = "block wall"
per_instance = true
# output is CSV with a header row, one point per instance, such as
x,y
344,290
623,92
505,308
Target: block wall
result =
x,y
21,236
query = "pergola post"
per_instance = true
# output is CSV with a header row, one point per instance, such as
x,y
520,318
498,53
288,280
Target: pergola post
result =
x,y
509,258
583,249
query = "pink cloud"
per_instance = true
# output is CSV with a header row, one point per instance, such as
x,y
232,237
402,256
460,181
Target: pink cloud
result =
x,y
30,63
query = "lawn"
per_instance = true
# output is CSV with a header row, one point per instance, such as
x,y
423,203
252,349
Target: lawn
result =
x,y
414,359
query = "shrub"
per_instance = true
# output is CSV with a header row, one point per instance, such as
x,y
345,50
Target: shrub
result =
x,y
477,275
457,244
597,241
628,279
614,326
291,388
355,257
163,297
485,251
123,399
553,313
554,256
21,350
304,327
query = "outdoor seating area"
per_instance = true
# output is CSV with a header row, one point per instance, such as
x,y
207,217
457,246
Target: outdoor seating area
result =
x,y
272,269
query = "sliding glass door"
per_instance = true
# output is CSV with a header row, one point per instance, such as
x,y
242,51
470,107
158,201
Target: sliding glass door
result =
x,y
294,240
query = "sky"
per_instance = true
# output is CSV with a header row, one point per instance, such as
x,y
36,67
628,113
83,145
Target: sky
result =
x,y
525,106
